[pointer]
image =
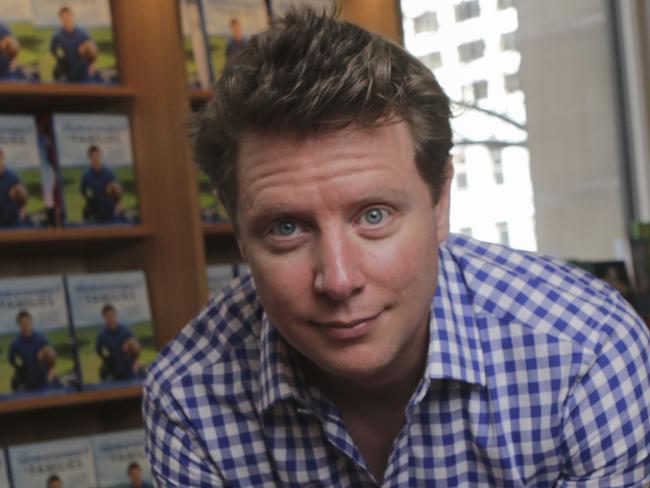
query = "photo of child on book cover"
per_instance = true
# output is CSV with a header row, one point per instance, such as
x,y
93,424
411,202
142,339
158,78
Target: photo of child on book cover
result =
x,y
96,165
75,41
113,326
54,464
26,180
229,24
120,460
18,42
35,343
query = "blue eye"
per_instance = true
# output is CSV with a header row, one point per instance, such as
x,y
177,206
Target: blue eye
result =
x,y
285,228
375,216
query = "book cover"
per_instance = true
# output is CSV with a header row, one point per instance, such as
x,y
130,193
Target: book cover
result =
x,y
228,25
74,41
112,324
36,348
195,48
219,275
212,210
4,473
18,55
62,463
280,7
27,181
95,159
120,460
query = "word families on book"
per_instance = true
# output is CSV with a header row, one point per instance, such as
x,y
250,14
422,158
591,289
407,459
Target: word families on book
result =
x,y
114,460
61,334
66,41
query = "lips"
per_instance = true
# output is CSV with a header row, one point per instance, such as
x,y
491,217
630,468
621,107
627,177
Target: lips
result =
x,y
348,324
344,330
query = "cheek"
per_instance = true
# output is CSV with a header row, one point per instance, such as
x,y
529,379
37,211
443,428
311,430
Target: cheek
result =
x,y
404,261
284,282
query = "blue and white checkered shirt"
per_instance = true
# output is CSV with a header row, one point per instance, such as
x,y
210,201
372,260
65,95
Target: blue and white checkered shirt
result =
x,y
543,380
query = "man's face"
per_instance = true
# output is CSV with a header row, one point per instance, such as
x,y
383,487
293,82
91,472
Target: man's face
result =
x,y
95,158
110,318
341,235
67,21
25,325
135,476
235,30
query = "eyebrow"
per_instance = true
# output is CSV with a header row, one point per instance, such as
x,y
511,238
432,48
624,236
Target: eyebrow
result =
x,y
260,214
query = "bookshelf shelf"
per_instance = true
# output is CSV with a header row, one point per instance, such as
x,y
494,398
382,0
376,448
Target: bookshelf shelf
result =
x,y
218,229
69,399
200,94
71,242
50,97
60,90
49,236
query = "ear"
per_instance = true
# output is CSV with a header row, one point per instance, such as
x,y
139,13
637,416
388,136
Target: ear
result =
x,y
442,207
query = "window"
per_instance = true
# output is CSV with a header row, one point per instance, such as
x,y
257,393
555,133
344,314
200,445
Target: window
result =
x,y
480,89
503,4
508,41
461,172
511,82
467,10
427,22
497,166
466,231
502,233
432,60
471,51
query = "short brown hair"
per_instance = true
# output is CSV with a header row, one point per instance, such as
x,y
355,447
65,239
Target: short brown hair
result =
x,y
310,73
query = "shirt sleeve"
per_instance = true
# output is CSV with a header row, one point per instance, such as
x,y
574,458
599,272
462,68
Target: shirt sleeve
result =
x,y
606,432
175,456
12,354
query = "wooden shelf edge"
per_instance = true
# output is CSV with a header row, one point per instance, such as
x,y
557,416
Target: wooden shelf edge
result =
x,y
69,399
200,94
75,234
67,90
218,228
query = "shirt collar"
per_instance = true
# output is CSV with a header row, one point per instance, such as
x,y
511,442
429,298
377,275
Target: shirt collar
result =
x,y
455,351
279,380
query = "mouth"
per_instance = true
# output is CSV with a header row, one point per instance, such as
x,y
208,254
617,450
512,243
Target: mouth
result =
x,y
349,329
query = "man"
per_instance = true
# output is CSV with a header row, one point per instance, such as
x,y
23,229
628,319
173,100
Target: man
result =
x,y
372,348
9,49
30,354
134,472
97,183
112,346
74,50
236,41
13,197
54,482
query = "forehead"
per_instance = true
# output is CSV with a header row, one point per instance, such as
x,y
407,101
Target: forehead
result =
x,y
265,156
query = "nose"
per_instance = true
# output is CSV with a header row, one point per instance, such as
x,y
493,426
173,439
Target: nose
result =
x,y
339,274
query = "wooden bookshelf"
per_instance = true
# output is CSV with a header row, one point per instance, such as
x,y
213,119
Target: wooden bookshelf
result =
x,y
69,399
172,245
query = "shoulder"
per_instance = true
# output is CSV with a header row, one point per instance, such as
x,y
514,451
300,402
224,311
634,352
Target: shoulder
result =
x,y
40,337
229,326
81,33
540,293
56,36
4,30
